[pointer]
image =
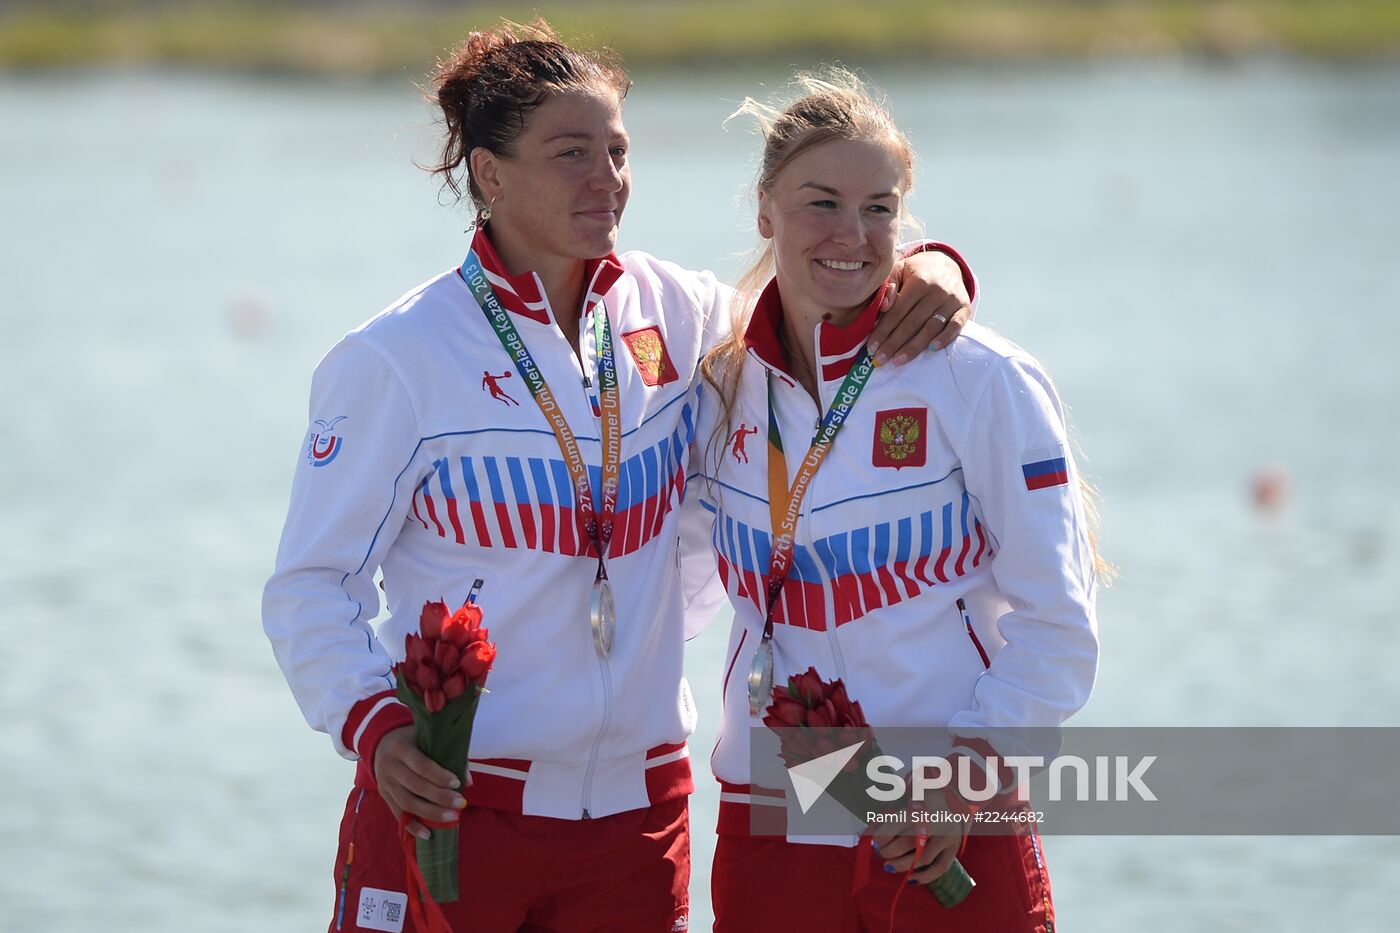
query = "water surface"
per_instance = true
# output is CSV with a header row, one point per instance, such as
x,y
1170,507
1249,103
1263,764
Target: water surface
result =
x,y
1203,257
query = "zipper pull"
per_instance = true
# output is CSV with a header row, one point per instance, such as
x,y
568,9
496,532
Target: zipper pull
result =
x,y
586,815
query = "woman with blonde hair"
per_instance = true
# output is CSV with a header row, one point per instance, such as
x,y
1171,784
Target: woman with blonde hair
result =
x,y
931,549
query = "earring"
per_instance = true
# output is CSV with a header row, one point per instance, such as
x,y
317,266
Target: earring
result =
x,y
485,213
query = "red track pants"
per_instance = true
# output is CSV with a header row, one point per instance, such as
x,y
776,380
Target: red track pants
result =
x,y
768,884
622,873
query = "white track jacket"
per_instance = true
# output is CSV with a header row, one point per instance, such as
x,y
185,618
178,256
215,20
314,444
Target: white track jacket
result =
x,y
427,456
952,478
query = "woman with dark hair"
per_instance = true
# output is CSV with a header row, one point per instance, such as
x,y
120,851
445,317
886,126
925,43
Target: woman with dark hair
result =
x,y
928,545
561,490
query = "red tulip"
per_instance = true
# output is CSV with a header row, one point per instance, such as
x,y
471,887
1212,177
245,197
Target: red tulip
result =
x,y
785,712
434,700
806,688
462,627
465,626
446,656
858,715
454,686
416,648
431,619
477,660
468,617
836,693
428,678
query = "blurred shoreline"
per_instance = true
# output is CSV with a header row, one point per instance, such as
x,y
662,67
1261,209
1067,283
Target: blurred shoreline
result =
x,y
364,41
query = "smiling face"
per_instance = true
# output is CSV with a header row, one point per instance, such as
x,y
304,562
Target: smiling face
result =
x,y
558,197
833,216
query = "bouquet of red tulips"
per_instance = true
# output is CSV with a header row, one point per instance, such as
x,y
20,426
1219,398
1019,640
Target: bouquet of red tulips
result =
x,y
809,710
814,717
441,679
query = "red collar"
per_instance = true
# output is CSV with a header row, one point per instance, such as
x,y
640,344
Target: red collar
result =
x,y
522,294
836,346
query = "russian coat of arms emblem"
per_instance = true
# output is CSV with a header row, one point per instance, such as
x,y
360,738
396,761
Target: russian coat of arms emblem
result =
x,y
900,439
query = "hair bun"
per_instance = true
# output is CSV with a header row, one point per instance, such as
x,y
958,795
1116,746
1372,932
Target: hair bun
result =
x,y
468,60
494,78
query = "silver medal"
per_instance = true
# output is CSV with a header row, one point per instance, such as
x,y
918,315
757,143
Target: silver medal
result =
x,y
761,678
603,616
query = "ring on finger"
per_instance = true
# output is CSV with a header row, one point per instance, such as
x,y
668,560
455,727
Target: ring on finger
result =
x,y
942,321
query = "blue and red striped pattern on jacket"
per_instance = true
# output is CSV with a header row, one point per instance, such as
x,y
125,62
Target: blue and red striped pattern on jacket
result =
x,y
528,502
863,568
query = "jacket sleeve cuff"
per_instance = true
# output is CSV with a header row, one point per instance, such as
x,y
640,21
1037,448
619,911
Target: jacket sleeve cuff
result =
x,y
924,246
370,719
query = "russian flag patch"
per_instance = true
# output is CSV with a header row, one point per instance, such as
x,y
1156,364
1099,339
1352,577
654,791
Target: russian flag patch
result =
x,y
1045,467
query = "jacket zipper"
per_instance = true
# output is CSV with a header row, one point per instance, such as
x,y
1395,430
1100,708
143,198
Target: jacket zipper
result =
x,y
599,308
598,739
831,623
806,517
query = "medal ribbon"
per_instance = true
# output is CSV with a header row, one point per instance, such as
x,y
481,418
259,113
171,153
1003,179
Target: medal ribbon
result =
x,y
784,501
598,525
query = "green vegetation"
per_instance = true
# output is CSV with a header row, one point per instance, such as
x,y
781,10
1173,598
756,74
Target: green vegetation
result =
x,y
404,38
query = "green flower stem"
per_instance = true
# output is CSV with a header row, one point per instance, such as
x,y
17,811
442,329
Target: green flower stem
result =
x,y
953,886
437,859
445,737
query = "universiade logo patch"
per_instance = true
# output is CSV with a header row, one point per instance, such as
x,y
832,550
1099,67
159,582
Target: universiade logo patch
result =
x,y
381,910
324,446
